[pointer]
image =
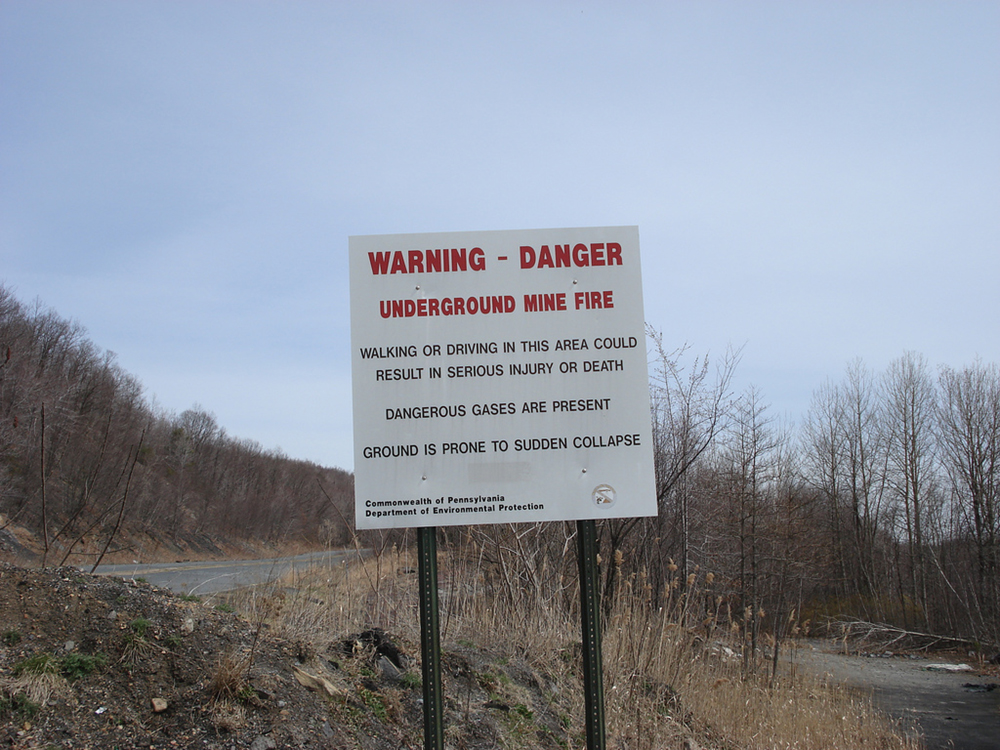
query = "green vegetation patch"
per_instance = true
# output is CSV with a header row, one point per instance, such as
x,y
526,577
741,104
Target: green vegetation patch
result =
x,y
375,703
37,664
411,680
523,711
72,666
17,706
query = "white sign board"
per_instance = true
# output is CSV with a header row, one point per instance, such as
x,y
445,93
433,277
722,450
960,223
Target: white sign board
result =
x,y
499,377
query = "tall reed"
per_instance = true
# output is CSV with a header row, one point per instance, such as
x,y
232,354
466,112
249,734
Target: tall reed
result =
x,y
670,673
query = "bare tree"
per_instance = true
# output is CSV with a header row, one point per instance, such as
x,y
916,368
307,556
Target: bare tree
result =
x,y
865,468
908,414
969,418
824,437
691,405
752,459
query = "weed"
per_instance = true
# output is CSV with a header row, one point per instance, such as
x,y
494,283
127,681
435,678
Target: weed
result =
x,y
224,607
492,680
228,716
174,640
135,649
190,598
230,681
37,665
11,637
520,724
74,666
523,711
346,712
375,703
411,680
136,646
18,706
140,579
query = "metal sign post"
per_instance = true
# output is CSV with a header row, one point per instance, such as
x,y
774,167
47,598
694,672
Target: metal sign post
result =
x,y
430,639
500,377
590,615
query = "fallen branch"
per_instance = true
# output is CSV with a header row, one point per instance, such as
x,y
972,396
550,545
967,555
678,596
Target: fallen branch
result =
x,y
864,635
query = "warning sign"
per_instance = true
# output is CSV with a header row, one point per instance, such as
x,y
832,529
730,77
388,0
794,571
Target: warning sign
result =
x,y
499,377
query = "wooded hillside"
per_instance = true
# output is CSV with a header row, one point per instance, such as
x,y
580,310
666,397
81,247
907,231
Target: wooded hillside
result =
x,y
84,457
881,506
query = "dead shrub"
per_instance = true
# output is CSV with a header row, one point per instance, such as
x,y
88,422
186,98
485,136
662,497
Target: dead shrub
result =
x,y
231,679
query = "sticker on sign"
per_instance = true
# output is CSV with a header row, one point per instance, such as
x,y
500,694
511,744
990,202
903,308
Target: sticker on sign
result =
x,y
499,377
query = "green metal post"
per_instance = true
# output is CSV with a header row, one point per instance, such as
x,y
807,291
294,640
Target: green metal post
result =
x,y
590,611
430,638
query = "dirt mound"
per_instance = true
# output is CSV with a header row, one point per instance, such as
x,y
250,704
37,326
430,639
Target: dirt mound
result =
x,y
84,657
100,663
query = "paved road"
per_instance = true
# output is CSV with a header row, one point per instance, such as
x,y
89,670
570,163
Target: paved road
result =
x,y
200,578
950,715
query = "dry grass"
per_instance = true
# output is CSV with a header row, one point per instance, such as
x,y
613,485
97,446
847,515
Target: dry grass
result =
x,y
37,688
680,674
664,683
229,681
228,716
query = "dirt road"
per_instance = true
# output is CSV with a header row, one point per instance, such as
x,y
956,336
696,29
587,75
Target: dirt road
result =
x,y
950,715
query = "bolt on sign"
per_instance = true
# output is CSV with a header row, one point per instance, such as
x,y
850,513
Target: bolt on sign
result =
x,y
499,377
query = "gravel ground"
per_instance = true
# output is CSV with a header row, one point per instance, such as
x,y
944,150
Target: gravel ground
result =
x,y
940,704
98,663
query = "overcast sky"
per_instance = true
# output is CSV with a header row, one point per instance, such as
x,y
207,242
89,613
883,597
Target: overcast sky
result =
x,y
814,181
